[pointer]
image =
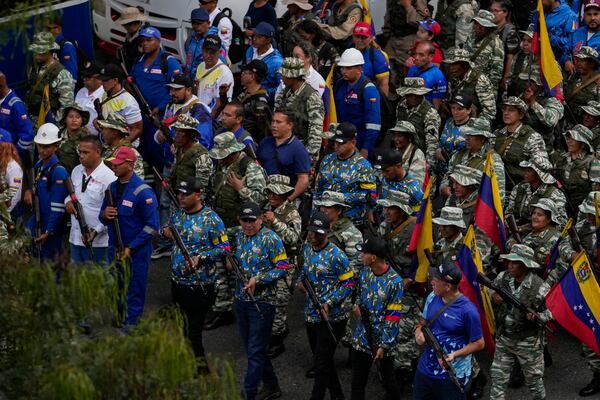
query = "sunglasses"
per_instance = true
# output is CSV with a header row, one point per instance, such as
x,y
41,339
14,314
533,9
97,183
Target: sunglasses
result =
x,y
248,220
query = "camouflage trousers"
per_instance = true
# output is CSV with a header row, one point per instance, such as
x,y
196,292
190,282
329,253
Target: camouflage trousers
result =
x,y
282,299
592,358
530,354
406,349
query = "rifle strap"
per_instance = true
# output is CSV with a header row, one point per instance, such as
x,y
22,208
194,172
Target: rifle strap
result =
x,y
585,84
109,98
399,228
505,145
484,43
441,310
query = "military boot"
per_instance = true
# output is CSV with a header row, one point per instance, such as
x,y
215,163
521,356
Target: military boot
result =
x,y
276,347
477,386
268,393
219,319
593,387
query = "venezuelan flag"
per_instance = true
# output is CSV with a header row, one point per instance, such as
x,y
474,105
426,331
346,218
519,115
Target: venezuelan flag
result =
x,y
597,207
367,17
422,238
329,101
469,261
488,209
553,256
550,73
575,303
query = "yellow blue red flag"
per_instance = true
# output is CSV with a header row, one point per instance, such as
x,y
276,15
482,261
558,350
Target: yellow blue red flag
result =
x,y
422,238
550,73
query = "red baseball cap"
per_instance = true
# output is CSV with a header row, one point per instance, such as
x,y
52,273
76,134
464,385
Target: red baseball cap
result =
x,y
362,29
592,3
432,26
123,154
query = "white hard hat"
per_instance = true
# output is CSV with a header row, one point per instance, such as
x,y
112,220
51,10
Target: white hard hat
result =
x,y
351,57
47,134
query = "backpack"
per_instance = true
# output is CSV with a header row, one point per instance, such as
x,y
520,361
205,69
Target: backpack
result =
x,y
236,49
386,110
83,60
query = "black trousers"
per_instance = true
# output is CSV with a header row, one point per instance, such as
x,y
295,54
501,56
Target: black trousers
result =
x,y
361,366
323,348
194,304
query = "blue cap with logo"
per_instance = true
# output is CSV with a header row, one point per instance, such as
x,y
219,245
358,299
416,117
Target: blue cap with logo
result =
x,y
150,32
264,29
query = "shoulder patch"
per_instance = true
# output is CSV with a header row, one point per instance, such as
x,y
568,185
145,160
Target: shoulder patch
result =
x,y
149,200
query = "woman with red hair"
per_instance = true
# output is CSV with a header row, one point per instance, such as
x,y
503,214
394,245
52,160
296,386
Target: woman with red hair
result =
x,y
11,173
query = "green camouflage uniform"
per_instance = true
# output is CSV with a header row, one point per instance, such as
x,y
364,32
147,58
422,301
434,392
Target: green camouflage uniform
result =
x,y
195,161
446,251
580,90
456,19
117,122
487,53
68,152
544,115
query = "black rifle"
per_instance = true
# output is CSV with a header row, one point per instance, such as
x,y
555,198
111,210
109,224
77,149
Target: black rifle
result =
x,y
165,185
441,355
318,306
98,108
513,227
578,245
190,268
36,210
240,276
115,222
80,217
509,298
365,318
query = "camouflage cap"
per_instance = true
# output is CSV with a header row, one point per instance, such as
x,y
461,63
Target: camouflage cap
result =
x,y
466,176
413,86
485,18
224,145
467,130
522,253
550,206
587,52
114,121
589,204
404,126
279,184
459,55
515,101
581,134
331,198
398,199
536,164
529,32
592,108
43,42
533,75
451,216
292,67
85,114
480,123
186,122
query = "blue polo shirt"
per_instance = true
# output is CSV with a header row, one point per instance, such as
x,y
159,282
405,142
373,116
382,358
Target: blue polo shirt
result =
x,y
289,158
434,80
151,80
580,38
68,55
380,66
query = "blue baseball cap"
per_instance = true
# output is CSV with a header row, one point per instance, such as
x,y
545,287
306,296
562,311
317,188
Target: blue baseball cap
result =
x,y
264,29
199,14
5,136
150,32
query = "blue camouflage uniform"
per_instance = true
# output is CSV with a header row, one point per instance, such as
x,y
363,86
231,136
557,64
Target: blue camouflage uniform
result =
x,y
354,177
408,185
381,296
580,38
561,23
332,278
204,235
152,83
68,55
137,212
451,139
14,119
363,113
51,191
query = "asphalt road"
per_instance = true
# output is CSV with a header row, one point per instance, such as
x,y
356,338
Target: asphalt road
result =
x,y
563,379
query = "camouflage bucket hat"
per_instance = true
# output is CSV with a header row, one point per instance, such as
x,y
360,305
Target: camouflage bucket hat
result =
x,y
589,206
587,52
85,115
114,121
466,176
451,216
481,124
550,206
520,252
186,122
472,131
533,76
544,175
459,55
592,108
516,102
279,184
330,199
292,67
398,199
43,42
403,126
485,18
225,144
413,86
529,32
581,134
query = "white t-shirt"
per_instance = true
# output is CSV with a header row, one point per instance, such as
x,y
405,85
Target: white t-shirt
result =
x,y
91,201
85,99
14,179
208,84
123,104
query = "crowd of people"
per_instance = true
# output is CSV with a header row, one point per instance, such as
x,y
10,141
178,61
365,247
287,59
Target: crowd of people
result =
x,y
306,171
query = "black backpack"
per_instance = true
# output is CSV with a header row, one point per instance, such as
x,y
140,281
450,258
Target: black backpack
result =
x,y
83,60
236,49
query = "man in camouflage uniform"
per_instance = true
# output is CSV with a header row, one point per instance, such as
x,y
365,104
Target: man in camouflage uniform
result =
x,y
338,28
590,118
394,177
297,11
237,178
114,133
402,136
584,85
537,184
465,78
517,337
455,16
465,184
450,223
11,243
51,86
307,104
283,218
419,112
396,231
347,172
486,48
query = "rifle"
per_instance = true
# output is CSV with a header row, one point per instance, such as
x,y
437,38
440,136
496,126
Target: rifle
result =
x,y
240,276
366,321
98,108
36,210
441,355
166,187
512,226
318,306
80,217
509,298
117,227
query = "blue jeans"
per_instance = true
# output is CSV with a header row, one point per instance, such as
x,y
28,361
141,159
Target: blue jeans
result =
x,y
81,255
426,388
256,333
